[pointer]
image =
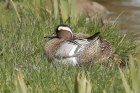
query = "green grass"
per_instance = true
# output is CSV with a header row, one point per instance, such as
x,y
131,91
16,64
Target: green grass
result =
x,y
21,48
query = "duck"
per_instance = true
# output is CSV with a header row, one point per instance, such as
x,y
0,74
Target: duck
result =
x,y
90,8
75,48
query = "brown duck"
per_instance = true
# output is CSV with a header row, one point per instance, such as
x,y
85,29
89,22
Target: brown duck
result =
x,y
66,47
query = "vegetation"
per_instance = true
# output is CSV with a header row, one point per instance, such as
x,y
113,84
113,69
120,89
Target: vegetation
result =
x,y
23,65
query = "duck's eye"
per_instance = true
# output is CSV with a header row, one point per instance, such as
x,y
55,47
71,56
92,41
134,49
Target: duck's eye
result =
x,y
103,48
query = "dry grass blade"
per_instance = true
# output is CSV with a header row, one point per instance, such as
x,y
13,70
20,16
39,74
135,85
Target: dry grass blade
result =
x,y
16,10
64,9
73,12
20,84
89,87
55,8
126,86
121,40
82,85
134,75
104,91
139,71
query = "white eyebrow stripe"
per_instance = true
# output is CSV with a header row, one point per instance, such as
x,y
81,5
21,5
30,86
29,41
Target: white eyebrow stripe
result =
x,y
64,28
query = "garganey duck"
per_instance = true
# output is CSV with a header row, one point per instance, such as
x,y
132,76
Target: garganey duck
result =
x,y
66,47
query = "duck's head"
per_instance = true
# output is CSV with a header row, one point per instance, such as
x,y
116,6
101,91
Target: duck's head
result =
x,y
63,32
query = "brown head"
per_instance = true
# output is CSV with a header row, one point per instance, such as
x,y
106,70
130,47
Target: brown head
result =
x,y
62,32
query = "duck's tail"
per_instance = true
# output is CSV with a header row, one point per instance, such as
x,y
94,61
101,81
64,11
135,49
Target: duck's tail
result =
x,y
96,35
